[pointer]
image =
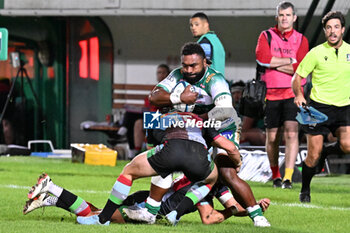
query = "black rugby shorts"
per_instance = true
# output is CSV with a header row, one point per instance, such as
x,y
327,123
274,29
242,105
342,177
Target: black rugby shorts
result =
x,y
279,111
337,116
190,157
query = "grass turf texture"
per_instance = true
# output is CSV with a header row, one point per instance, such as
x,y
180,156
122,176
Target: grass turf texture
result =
x,y
329,210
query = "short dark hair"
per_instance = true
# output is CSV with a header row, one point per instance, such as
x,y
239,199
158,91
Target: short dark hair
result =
x,y
192,48
333,15
237,86
200,15
239,83
165,67
284,5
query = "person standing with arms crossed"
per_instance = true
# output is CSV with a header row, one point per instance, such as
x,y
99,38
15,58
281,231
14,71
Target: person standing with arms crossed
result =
x,y
278,52
209,41
329,64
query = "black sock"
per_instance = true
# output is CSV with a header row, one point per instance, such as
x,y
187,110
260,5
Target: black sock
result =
x,y
136,197
307,174
66,199
107,211
185,205
332,149
60,203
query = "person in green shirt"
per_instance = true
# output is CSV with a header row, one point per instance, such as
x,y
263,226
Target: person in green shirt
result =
x,y
329,64
209,41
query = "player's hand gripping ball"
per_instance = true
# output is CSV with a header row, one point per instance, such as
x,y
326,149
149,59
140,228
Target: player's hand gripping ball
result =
x,y
178,89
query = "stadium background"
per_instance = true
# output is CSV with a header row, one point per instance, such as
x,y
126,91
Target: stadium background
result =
x,y
131,38
91,45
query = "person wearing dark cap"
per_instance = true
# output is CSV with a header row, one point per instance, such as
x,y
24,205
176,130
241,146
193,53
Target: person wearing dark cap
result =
x,y
329,64
212,46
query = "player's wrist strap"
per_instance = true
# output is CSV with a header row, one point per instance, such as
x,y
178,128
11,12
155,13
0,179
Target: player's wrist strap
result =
x,y
175,98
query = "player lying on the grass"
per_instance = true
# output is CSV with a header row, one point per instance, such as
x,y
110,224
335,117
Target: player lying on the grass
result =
x,y
206,206
185,150
160,186
66,200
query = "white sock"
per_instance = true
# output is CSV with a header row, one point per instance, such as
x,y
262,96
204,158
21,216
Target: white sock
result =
x,y
50,201
153,202
163,183
55,190
252,208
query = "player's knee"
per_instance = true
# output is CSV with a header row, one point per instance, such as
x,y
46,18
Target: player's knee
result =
x,y
311,161
272,140
212,178
290,135
228,173
131,171
345,146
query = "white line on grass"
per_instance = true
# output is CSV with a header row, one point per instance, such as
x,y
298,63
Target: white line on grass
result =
x,y
13,186
310,206
299,205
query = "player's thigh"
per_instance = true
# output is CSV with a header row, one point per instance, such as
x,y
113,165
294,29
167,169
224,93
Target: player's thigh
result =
x,y
290,110
139,167
213,176
273,114
197,164
291,129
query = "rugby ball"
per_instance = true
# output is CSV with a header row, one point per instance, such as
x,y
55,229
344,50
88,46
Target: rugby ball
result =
x,y
178,89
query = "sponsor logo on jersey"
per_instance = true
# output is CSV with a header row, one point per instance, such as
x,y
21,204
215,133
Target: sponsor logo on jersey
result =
x,y
209,77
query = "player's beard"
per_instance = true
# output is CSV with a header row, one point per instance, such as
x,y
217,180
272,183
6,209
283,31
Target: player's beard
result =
x,y
192,80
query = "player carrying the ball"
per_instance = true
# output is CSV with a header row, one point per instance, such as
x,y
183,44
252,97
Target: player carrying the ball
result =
x,y
212,99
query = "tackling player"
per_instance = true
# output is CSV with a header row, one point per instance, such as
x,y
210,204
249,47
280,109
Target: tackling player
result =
x,y
213,100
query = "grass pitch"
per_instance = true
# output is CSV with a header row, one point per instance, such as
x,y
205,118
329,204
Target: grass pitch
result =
x,y
329,210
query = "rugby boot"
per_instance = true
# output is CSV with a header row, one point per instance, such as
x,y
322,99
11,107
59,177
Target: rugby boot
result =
x,y
305,197
261,221
140,214
287,184
277,183
91,220
42,186
35,203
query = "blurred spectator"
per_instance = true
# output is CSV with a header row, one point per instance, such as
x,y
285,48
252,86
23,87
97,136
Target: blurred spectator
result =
x,y
253,132
132,125
236,92
209,41
163,71
7,124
